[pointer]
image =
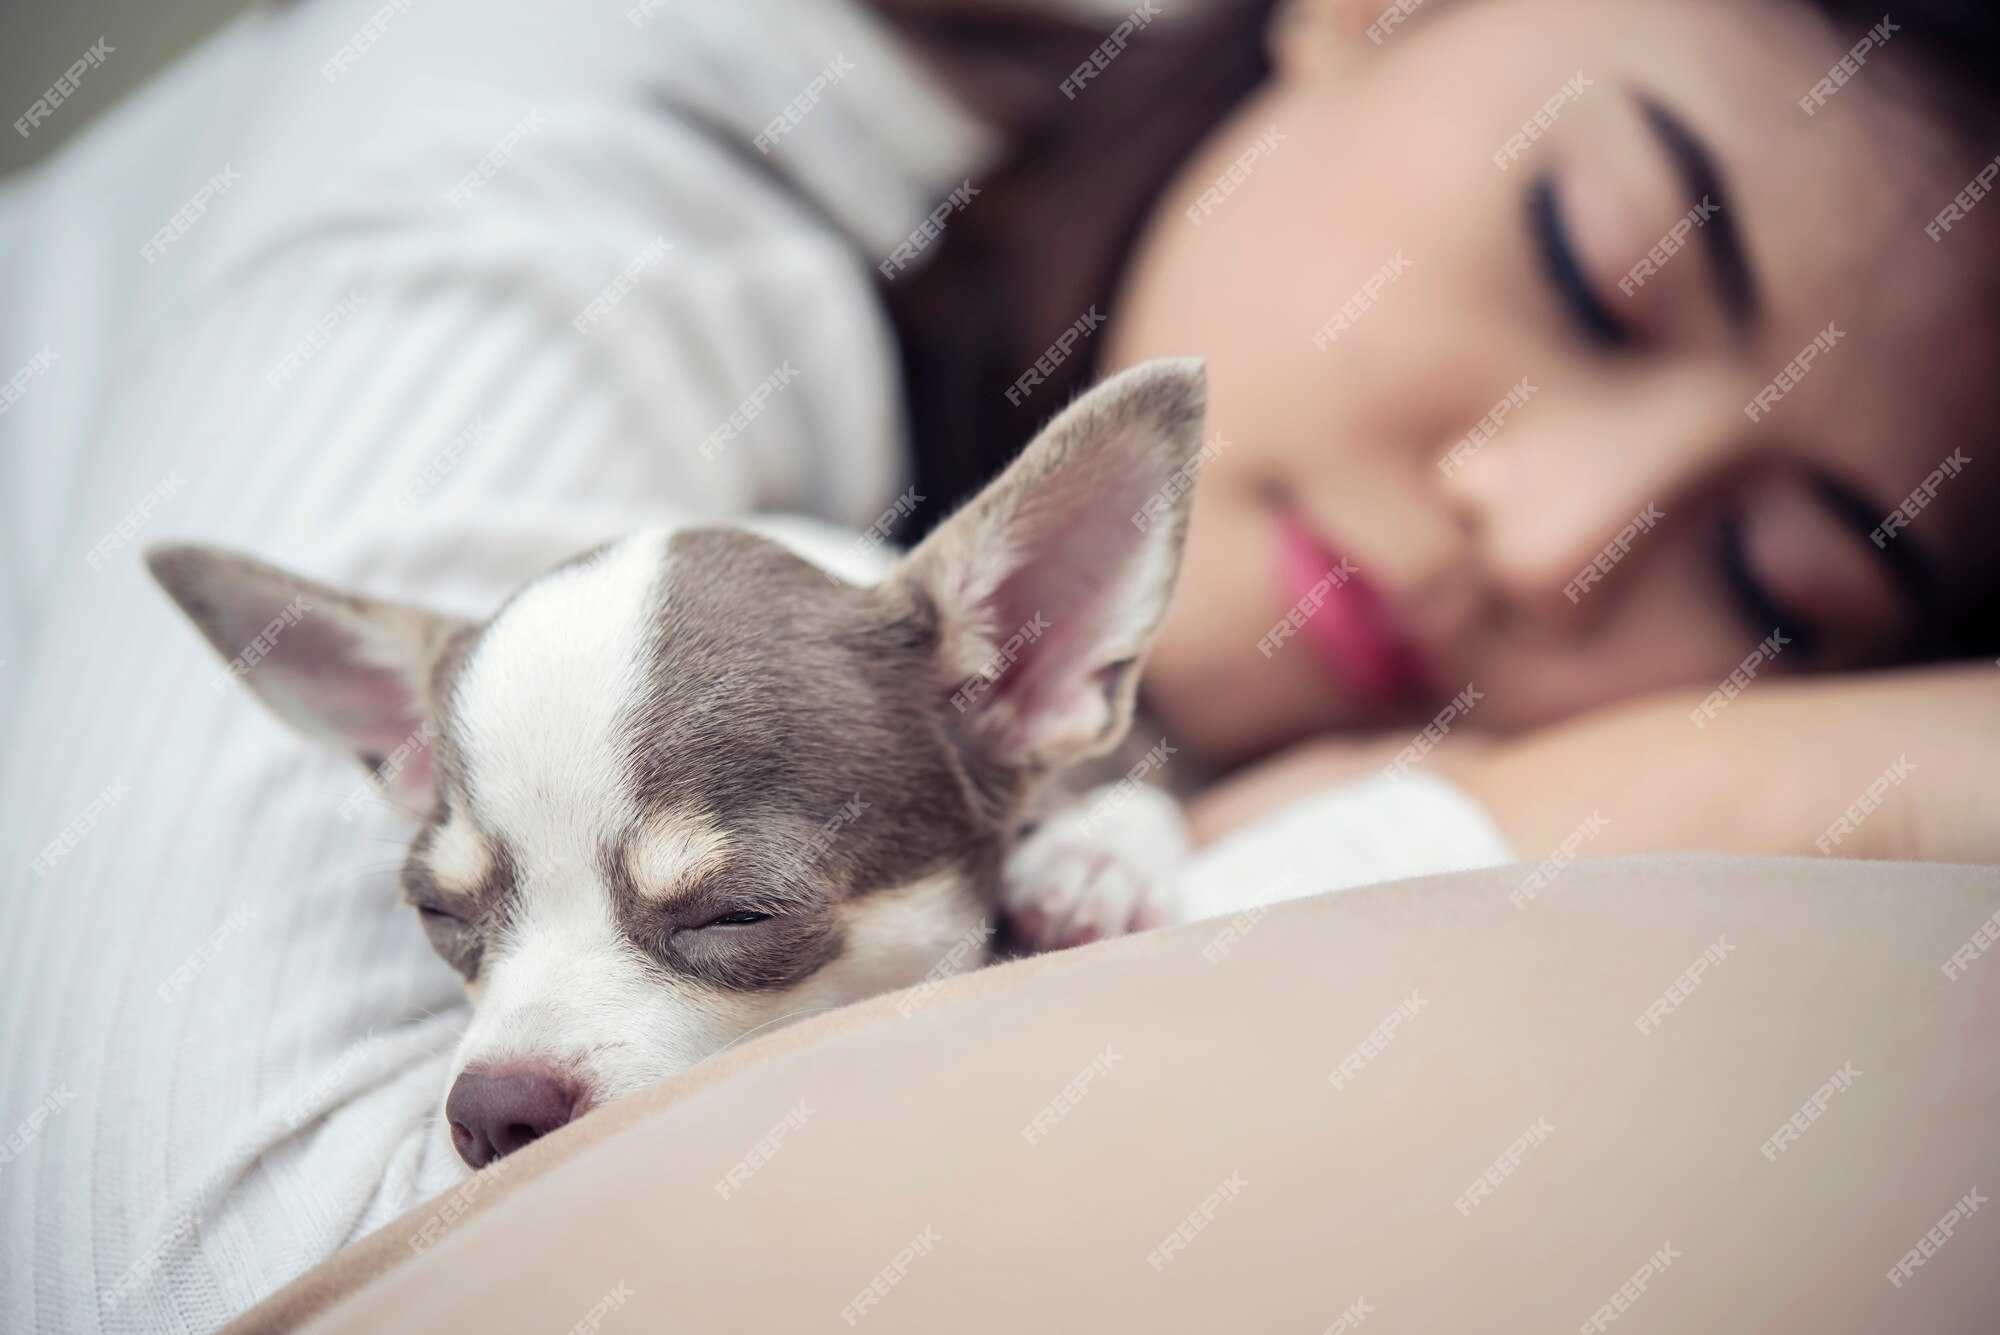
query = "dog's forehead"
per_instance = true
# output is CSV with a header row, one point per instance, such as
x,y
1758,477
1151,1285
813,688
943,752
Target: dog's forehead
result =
x,y
534,720
706,680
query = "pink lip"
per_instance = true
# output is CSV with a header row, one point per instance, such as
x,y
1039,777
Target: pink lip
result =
x,y
1352,631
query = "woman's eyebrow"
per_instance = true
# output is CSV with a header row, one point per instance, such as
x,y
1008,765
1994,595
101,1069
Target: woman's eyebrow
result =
x,y
1910,567
1729,262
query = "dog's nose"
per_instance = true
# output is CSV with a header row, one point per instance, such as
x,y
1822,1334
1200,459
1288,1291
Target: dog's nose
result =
x,y
492,1115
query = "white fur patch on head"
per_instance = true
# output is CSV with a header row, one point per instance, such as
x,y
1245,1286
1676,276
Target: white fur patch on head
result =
x,y
673,851
540,716
539,707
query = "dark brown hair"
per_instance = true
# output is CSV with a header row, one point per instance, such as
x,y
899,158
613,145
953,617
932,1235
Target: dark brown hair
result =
x,y
1044,244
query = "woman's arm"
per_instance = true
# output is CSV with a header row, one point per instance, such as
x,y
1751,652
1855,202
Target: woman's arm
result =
x,y
1902,764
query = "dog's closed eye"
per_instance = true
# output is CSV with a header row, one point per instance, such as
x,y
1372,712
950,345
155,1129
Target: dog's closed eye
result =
x,y
455,940
737,918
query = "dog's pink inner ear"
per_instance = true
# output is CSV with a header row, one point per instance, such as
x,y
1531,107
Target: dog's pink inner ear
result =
x,y
1068,622
346,670
1050,585
320,674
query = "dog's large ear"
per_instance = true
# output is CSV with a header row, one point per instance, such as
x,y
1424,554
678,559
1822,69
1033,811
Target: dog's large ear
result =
x,y
350,671
1048,587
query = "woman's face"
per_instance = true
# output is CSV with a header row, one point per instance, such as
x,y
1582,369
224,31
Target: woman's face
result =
x,y
1652,493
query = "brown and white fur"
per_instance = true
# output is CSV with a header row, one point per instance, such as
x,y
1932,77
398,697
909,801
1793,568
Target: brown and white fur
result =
x,y
687,786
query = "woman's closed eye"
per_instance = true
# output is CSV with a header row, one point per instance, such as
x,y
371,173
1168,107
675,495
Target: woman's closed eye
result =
x,y
1760,608
1556,254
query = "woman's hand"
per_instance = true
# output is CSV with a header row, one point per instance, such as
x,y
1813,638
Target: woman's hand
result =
x,y
1902,764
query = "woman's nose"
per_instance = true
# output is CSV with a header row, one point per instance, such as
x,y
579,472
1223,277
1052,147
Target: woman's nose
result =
x,y
1556,501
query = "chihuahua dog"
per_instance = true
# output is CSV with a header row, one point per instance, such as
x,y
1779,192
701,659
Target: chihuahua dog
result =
x,y
688,786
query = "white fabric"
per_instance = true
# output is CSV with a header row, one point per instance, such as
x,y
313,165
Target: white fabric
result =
x,y
225,1038
1361,833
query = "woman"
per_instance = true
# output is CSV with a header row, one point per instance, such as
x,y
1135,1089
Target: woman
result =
x,y
1523,384
426,298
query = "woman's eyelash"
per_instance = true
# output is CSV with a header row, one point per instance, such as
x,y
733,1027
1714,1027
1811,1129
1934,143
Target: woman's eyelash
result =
x,y
1763,612
1564,271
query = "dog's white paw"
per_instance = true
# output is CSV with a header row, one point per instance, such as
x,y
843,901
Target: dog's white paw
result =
x,y
1107,866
